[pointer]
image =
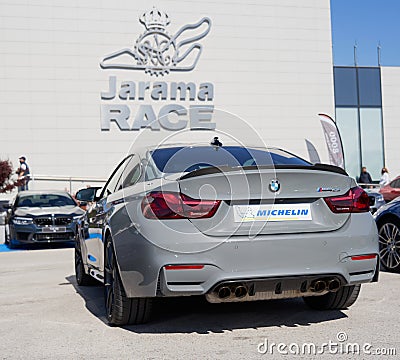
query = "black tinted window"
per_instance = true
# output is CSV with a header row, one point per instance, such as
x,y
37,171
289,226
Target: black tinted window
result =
x,y
44,200
186,159
114,180
131,174
395,184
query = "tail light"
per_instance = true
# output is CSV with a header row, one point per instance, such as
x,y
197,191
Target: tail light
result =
x,y
356,200
172,205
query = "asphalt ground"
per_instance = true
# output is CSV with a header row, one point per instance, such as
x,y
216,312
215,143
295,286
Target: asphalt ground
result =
x,y
44,315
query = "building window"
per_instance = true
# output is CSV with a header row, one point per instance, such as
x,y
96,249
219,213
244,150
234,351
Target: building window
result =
x,y
345,80
372,140
369,87
358,102
348,124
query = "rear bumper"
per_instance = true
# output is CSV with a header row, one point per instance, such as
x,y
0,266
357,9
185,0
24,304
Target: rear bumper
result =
x,y
183,283
142,263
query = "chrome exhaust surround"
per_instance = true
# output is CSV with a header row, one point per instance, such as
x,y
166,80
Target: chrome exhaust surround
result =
x,y
278,288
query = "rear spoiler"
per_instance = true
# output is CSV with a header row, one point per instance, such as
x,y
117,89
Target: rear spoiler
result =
x,y
224,169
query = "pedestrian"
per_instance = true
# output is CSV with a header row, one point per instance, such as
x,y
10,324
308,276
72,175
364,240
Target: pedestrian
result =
x,y
365,177
24,174
384,178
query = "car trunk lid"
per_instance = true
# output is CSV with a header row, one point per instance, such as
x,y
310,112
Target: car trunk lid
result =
x,y
256,201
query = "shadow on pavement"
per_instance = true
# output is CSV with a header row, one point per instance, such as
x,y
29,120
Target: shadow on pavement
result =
x,y
195,315
93,296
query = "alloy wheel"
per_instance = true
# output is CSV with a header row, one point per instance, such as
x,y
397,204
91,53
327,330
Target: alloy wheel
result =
x,y
78,266
389,245
109,278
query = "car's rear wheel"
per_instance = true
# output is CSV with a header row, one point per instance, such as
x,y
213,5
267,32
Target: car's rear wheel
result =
x,y
389,245
120,309
82,278
341,299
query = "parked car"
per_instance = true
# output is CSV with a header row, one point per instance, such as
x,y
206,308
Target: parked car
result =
x,y
3,211
228,222
391,190
42,217
388,221
376,200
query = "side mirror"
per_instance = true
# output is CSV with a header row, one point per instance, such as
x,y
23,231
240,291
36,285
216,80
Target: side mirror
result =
x,y
87,194
6,206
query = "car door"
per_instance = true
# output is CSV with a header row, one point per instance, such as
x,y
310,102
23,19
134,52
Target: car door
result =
x,y
395,191
392,190
114,202
96,216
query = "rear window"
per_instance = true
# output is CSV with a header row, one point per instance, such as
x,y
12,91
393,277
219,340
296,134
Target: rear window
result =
x,y
186,159
44,200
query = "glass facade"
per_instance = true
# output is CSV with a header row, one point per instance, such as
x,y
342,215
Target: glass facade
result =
x,y
371,136
369,87
358,102
345,80
347,122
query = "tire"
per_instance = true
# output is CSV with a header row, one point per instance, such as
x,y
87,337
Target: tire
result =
x,y
389,245
82,278
12,245
6,238
121,310
342,299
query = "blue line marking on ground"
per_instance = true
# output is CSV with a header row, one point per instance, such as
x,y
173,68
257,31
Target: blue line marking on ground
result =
x,y
5,248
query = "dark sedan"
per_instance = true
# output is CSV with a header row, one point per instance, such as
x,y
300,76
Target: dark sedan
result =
x,y
388,221
42,217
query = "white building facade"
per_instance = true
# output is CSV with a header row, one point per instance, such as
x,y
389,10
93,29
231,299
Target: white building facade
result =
x,y
263,67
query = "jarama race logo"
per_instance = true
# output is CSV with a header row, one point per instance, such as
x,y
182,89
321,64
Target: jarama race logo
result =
x,y
136,105
156,51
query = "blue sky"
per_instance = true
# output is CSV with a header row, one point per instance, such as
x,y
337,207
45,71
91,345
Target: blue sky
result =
x,y
366,22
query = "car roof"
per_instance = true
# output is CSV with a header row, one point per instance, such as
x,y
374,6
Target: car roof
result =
x,y
43,192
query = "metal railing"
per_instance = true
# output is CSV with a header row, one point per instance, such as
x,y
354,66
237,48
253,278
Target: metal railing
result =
x,y
370,186
66,179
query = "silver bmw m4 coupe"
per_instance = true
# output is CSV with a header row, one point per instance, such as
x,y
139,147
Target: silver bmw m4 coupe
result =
x,y
231,223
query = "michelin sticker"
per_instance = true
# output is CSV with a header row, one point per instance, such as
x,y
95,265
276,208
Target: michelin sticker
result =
x,y
273,212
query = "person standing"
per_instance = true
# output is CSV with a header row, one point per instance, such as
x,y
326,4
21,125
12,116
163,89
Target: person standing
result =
x,y
365,177
384,178
23,174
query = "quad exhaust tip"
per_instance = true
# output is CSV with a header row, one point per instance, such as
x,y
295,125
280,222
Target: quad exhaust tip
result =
x,y
318,286
224,292
238,291
321,285
333,285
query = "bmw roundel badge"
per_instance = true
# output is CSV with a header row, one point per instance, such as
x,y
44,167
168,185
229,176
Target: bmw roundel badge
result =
x,y
274,185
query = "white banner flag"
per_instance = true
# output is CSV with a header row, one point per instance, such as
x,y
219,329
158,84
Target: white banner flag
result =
x,y
333,140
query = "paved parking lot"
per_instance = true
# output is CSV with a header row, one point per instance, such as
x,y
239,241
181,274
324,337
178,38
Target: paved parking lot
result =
x,y
45,316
